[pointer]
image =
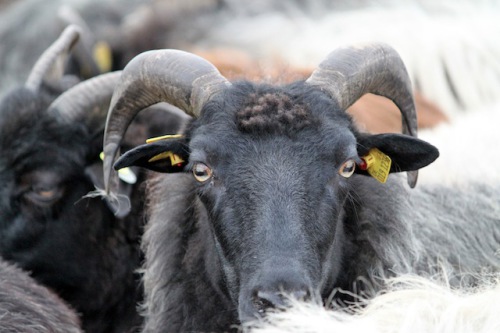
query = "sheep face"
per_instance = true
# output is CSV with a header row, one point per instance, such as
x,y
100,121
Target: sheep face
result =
x,y
272,168
268,187
67,242
42,182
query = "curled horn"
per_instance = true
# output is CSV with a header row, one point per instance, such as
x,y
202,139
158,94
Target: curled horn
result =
x,y
50,66
349,73
172,76
87,101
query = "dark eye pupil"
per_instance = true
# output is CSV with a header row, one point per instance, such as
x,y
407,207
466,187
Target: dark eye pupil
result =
x,y
347,169
201,172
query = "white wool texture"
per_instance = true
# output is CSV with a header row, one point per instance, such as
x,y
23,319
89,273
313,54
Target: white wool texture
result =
x,y
468,148
412,304
450,48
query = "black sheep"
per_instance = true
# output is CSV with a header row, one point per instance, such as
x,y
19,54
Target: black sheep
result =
x,y
50,144
269,191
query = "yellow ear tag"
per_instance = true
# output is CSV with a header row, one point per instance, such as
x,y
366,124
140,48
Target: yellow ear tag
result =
x,y
164,137
126,174
377,164
174,159
103,56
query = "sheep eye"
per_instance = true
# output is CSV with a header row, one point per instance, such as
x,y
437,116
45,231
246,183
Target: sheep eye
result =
x,y
44,195
202,172
347,169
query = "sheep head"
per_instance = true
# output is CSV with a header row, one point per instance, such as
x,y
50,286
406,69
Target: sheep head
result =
x,y
273,166
51,137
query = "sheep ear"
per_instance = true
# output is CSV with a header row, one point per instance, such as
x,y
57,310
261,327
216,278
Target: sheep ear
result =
x,y
165,155
406,153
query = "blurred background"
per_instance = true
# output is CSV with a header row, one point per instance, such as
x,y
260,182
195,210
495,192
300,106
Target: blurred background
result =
x,y
450,47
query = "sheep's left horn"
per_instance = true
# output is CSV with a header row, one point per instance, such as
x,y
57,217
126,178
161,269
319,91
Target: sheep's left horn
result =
x,y
50,66
349,73
87,101
172,76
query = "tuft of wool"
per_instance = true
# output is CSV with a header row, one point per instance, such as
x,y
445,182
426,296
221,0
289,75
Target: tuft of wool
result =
x,y
411,304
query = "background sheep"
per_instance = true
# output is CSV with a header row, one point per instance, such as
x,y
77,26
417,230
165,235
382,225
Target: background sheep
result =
x,y
28,307
50,142
28,27
448,46
224,243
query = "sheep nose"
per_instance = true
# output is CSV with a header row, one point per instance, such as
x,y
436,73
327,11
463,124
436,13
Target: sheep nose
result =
x,y
265,300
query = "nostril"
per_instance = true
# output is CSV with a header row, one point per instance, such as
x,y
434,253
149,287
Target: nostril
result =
x,y
264,300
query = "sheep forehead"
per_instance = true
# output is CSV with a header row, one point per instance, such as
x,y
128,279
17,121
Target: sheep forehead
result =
x,y
21,116
273,113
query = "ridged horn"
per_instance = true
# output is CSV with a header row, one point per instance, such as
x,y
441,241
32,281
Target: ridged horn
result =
x,y
50,66
349,73
88,101
179,78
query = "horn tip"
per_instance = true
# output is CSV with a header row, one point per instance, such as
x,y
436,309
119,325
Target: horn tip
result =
x,y
412,177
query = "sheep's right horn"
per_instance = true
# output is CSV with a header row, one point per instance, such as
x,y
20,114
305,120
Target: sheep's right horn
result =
x,y
50,66
172,76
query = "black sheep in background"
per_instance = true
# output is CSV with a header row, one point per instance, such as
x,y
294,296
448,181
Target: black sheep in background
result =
x,y
50,143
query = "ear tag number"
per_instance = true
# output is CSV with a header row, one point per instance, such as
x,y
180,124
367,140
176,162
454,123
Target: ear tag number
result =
x,y
174,159
125,174
377,164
